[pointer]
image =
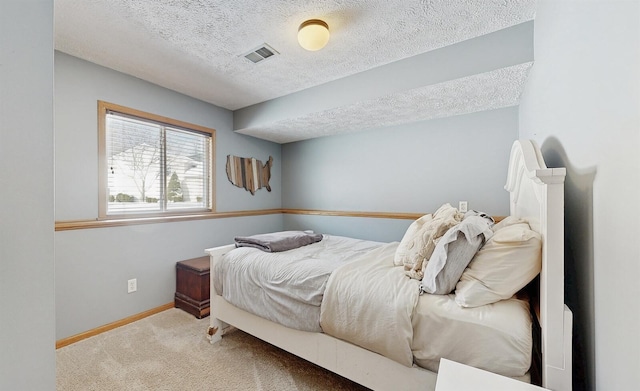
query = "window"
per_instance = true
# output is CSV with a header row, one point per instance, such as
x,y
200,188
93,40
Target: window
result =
x,y
152,165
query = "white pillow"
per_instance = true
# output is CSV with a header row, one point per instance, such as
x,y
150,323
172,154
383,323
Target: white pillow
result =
x,y
507,262
419,240
507,221
410,244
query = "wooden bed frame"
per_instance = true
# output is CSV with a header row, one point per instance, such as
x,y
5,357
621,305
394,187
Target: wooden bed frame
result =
x,y
537,193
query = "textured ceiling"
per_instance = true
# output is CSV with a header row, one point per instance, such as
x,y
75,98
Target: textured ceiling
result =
x,y
196,47
486,91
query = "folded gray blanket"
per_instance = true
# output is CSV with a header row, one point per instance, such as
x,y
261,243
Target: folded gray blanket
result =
x,y
278,241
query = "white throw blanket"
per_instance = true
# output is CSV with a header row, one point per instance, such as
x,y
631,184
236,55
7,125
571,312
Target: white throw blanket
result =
x,y
369,302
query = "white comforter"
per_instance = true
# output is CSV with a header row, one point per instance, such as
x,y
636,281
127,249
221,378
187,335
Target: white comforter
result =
x,y
370,302
351,290
373,304
285,287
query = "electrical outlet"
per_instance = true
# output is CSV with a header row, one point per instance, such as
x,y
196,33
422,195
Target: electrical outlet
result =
x,y
132,285
462,206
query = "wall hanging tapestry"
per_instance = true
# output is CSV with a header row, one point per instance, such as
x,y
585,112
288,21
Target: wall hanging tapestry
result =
x,y
249,173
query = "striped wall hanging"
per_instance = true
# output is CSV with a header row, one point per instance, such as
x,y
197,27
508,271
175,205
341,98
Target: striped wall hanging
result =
x,y
249,173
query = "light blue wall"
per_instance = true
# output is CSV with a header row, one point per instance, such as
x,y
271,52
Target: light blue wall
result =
x,y
581,104
376,229
411,168
93,265
27,318
80,84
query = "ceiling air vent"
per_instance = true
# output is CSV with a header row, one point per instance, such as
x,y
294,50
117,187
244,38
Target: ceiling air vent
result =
x,y
260,53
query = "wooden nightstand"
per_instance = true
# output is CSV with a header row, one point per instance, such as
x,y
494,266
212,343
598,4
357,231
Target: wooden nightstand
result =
x,y
192,286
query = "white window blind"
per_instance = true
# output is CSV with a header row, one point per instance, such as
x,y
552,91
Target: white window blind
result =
x,y
153,167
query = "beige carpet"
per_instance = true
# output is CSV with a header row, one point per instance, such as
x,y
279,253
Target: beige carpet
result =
x,y
170,351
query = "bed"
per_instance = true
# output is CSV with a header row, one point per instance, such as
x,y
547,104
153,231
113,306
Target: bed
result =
x,y
401,350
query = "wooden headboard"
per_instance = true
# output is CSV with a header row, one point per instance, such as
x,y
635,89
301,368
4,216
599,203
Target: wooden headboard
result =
x,y
537,194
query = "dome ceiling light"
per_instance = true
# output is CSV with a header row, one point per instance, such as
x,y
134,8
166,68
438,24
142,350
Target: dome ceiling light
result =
x,y
313,34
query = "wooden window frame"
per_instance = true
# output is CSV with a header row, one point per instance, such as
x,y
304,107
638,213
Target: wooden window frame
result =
x,y
103,109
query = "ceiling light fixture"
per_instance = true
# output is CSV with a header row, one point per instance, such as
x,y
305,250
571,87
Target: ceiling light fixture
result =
x,y
313,34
